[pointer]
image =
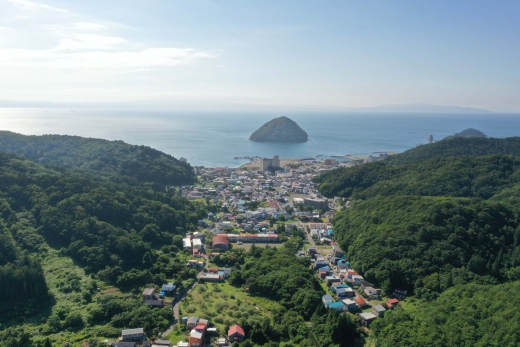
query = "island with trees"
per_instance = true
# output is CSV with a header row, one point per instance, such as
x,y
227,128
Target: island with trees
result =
x,y
280,129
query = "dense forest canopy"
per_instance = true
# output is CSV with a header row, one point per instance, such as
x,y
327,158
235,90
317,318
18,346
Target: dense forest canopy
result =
x,y
441,221
465,315
105,226
461,176
457,146
428,244
424,225
141,163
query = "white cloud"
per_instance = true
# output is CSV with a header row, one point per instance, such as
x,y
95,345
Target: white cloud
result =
x,y
56,59
70,42
88,42
35,6
87,26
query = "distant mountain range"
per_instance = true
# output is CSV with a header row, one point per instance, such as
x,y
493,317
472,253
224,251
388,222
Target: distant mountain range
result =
x,y
423,108
222,106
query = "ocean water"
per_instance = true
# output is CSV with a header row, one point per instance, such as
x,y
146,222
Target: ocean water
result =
x,y
214,139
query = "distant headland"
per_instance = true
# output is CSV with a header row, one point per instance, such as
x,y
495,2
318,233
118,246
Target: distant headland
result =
x,y
470,132
281,129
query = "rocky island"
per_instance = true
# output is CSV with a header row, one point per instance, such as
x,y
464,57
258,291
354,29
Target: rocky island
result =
x,y
281,129
470,132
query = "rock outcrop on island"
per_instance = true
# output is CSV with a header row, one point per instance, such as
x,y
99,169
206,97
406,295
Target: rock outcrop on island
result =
x,y
280,129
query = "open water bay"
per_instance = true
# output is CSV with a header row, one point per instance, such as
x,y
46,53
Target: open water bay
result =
x,y
214,139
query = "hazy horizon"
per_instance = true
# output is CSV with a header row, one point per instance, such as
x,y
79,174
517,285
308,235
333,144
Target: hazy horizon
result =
x,y
262,55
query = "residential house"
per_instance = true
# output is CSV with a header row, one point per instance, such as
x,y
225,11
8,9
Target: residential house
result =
x,y
332,279
197,243
356,279
162,343
168,288
337,305
391,303
345,293
196,338
360,301
336,286
127,344
400,294
326,299
236,333
311,251
148,294
367,318
370,291
379,310
192,322
133,334
350,305
150,298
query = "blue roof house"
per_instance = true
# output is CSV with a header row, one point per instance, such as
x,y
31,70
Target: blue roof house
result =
x,y
338,306
326,299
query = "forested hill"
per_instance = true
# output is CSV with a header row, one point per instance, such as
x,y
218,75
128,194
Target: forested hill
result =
x,y
446,217
466,315
460,176
428,244
108,228
142,163
458,146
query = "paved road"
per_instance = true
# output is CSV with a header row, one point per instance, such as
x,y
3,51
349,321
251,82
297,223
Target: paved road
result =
x,y
177,301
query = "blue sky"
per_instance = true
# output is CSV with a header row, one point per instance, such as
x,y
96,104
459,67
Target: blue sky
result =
x,y
286,54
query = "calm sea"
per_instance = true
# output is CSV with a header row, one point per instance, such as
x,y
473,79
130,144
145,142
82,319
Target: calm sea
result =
x,y
215,139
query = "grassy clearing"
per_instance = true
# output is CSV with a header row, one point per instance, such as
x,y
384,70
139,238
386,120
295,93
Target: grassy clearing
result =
x,y
224,305
69,285
177,334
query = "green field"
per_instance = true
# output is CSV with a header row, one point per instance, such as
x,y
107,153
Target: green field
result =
x,y
223,305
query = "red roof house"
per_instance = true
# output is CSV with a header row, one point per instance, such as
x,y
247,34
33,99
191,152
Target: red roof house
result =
x,y
360,301
236,333
392,303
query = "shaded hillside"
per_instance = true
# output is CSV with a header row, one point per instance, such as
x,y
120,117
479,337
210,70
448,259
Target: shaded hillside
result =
x,y
466,315
280,129
457,146
21,277
427,244
143,163
462,176
109,229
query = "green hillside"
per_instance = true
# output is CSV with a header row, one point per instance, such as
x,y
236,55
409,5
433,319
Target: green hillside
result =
x,y
141,163
85,232
428,244
424,225
457,146
466,315
462,176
